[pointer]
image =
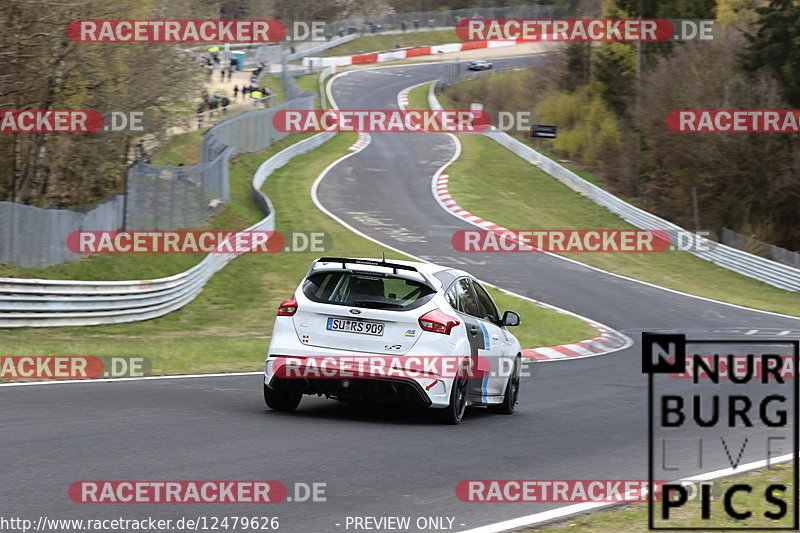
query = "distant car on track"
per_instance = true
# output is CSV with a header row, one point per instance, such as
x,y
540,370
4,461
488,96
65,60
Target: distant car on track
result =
x,y
479,64
346,308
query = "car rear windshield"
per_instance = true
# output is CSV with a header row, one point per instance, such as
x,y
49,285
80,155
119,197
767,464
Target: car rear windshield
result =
x,y
361,289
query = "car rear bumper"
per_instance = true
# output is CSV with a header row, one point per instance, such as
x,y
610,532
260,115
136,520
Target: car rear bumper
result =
x,y
404,391
428,391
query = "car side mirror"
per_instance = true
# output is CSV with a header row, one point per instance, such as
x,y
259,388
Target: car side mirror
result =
x,y
510,318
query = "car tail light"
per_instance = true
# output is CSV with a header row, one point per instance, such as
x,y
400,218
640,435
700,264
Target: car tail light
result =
x,y
287,307
438,322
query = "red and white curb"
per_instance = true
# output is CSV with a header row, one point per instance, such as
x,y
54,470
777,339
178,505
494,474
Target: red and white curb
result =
x,y
362,142
606,341
392,55
402,97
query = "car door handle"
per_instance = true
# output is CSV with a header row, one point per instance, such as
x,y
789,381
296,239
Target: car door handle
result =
x,y
473,330
495,337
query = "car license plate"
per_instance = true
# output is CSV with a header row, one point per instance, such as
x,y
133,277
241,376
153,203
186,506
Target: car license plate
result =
x,y
363,327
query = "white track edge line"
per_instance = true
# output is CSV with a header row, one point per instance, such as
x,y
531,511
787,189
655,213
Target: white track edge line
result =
x,y
569,510
115,380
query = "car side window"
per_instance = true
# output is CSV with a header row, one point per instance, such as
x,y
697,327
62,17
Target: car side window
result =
x,y
487,308
451,297
466,298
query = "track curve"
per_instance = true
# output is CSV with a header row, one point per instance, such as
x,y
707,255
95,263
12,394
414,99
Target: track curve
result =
x,y
577,419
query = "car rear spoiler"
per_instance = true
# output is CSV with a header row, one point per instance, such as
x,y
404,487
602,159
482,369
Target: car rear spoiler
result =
x,y
384,263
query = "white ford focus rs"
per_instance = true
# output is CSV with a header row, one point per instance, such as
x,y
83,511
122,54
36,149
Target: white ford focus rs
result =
x,y
400,331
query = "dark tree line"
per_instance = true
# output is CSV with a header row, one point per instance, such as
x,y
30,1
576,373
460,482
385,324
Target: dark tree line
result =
x,y
611,101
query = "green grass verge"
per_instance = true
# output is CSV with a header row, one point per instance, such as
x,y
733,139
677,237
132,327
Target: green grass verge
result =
x,y
418,98
378,43
478,85
524,197
226,328
182,148
274,84
632,518
310,83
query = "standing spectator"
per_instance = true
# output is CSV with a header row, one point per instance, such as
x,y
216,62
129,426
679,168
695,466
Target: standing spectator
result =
x,y
403,26
224,102
201,108
234,63
431,23
245,90
235,92
222,74
416,24
209,73
230,73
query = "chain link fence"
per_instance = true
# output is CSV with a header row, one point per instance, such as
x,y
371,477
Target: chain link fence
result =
x,y
168,197
157,197
34,237
759,247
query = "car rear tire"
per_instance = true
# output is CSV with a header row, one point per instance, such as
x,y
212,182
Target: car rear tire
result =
x,y
512,392
282,400
454,412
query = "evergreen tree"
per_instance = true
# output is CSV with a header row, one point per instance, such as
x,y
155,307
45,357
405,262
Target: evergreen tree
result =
x,y
775,46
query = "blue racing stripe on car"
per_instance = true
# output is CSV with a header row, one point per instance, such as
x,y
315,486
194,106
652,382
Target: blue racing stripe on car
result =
x,y
485,335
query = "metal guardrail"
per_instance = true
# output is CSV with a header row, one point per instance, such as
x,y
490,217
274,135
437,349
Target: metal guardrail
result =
x,y
747,264
50,303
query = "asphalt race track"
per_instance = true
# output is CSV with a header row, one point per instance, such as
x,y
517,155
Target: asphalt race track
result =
x,y
580,419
